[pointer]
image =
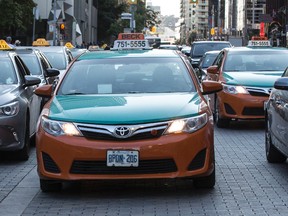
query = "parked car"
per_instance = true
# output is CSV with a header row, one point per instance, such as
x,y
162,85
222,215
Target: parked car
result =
x,y
19,106
38,64
247,75
198,48
59,56
128,113
276,121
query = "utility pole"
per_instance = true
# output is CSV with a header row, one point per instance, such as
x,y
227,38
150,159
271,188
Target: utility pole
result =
x,y
54,22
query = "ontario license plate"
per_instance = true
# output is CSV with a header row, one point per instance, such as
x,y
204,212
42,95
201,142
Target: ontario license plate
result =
x,y
122,158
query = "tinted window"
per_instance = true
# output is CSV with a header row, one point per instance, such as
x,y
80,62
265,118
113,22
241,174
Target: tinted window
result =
x,y
57,60
208,60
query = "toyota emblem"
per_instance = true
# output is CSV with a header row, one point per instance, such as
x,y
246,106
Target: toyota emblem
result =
x,y
122,132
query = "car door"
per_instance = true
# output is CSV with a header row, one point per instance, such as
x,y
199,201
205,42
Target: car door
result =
x,y
34,102
279,125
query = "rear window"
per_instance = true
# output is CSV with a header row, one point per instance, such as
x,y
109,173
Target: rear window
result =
x,y
198,50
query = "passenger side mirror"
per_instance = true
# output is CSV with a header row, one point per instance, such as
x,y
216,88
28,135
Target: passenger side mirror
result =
x,y
213,69
281,83
51,72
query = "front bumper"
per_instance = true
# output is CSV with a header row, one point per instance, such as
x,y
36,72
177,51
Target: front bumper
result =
x,y
170,156
241,106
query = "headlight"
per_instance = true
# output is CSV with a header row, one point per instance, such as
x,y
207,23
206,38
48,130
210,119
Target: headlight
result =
x,y
9,109
188,125
57,128
235,89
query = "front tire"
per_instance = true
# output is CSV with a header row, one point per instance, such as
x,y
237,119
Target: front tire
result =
x,y
219,121
273,155
206,181
23,154
50,185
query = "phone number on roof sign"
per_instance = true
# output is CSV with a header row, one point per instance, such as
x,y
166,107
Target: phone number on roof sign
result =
x,y
130,44
259,43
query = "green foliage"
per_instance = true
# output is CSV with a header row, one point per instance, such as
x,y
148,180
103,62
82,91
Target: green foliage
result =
x,y
109,13
110,23
16,15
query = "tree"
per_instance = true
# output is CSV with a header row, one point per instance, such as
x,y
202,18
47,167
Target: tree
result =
x,y
110,24
109,13
16,16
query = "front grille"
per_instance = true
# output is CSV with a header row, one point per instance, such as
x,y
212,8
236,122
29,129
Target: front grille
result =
x,y
198,161
49,164
261,92
253,111
145,167
107,132
229,109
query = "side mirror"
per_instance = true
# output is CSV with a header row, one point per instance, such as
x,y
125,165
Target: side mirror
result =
x,y
281,83
210,87
44,91
213,69
31,80
51,72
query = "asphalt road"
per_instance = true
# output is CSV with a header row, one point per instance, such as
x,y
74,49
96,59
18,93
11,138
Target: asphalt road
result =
x,y
246,184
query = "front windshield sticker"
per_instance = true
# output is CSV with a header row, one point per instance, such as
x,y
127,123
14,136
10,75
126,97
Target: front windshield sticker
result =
x,y
104,88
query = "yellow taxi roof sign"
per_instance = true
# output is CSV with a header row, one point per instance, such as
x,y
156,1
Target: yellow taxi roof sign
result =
x,y
40,42
4,45
69,45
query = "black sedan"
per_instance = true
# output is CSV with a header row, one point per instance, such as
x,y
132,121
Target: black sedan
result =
x,y
276,133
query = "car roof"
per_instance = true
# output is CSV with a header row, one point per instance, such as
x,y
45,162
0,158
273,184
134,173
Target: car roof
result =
x,y
205,42
245,49
130,53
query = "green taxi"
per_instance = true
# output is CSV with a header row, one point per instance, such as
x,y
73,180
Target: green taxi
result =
x,y
128,113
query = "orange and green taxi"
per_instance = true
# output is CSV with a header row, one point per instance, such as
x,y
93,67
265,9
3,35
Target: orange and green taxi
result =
x,y
247,75
127,113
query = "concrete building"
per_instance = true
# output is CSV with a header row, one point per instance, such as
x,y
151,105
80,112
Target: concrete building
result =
x,y
79,17
194,19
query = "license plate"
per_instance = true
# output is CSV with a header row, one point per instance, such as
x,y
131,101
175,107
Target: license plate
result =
x,y
122,158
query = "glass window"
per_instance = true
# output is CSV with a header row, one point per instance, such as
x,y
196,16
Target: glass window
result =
x,y
7,72
256,61
117,76
32,63
57,60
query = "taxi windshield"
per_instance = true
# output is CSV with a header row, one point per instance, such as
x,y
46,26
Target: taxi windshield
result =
x,y
7,73
32,63
127,75
57,60
256,61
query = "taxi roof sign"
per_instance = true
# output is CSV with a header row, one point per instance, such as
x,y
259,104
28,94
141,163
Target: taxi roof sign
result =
x,y
40,42
4,45
69,45
131,36
259,43
131,41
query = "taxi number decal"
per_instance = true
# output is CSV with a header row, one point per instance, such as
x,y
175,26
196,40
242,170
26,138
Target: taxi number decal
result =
x,y
122,158
259,43
131,44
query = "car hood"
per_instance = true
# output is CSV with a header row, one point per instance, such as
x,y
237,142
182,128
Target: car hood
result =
x,y
257,79
124,109
7,93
